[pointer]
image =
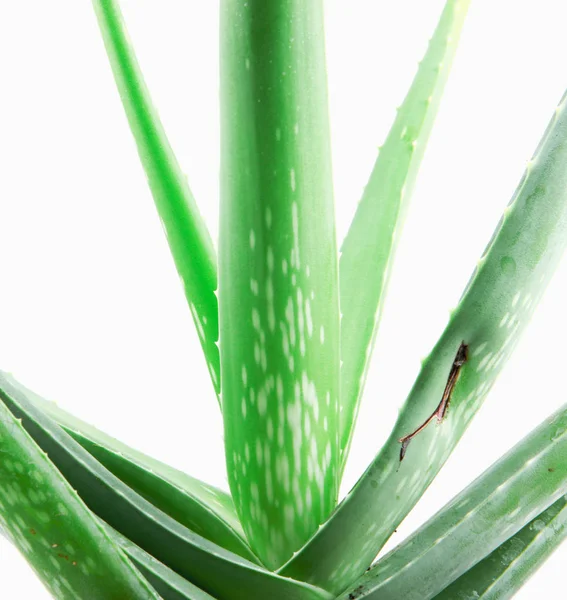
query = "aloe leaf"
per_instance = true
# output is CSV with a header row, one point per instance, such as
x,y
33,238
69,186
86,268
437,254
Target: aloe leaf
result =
x,y
50,525
278,273
202,508
205,564
166,582
493,311
187,235
505,570
368,249
517,488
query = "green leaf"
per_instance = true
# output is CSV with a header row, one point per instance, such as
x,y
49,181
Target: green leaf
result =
x,y
57,534
189,240
368,250
492,313
166,582
207,565
517,488
202,508
278,273
501,574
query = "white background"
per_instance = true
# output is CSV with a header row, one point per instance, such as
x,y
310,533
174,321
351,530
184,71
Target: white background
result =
x,y
91,311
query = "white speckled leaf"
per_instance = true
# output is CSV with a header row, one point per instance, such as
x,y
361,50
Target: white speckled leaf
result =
x,y
505,570
187,235
195,558
367,252
50,525
202,508
279,314
168,584
504,499
493,311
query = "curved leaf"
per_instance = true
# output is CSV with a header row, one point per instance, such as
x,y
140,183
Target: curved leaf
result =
x,y
202,508
50,525
167,583
215,570
189,240
492,313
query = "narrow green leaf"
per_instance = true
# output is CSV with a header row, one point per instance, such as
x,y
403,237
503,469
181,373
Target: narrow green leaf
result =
x,y
207,565
278,273
368,250
492,313
166,582
189,240
57,534
498,504
501,574
202,508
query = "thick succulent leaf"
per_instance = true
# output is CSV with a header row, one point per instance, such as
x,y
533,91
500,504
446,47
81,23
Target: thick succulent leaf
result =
x,y
189,240
217,571
505,570
166,582
498,504
202,508
368,249
50,525
278,273
493,311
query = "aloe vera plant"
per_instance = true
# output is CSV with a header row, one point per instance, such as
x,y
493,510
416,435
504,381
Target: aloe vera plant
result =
x,y
287,322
